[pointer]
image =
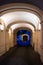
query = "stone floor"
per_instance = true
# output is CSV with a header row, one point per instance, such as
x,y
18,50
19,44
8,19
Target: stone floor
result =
x,y
21,56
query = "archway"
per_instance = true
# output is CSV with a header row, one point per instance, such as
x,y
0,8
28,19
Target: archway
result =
x,y
23,38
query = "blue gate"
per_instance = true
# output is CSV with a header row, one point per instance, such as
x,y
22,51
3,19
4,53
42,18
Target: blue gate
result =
x,y
23,38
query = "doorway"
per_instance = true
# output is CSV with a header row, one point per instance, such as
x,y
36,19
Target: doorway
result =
x,y
23,38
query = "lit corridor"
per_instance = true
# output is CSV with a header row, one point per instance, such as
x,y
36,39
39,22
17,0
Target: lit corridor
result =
x,y
21,32
21,56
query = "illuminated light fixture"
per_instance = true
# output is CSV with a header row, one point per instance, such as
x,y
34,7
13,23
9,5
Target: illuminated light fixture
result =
x,y
1,26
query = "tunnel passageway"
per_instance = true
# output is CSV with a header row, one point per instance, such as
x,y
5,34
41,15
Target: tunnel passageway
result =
x,y
22,56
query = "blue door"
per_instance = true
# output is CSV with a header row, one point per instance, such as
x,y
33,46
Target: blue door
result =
x,y
23,38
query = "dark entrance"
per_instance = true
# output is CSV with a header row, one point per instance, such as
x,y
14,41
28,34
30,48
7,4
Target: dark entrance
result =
x,y
25,38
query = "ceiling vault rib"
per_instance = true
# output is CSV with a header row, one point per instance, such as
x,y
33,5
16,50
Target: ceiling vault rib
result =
x,y
20,22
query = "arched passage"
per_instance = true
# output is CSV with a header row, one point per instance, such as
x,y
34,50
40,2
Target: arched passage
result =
x,y
18,36
23,38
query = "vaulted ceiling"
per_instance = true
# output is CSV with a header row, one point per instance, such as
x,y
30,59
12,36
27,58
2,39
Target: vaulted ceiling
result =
x,y
28,19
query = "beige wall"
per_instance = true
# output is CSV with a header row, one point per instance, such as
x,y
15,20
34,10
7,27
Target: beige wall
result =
x,y
42,42
2,42
6,41
11,39
37,41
